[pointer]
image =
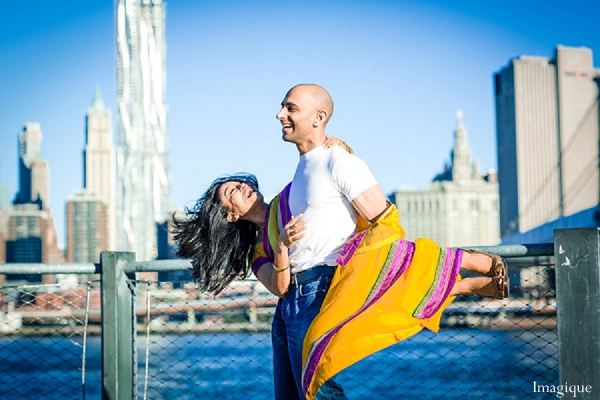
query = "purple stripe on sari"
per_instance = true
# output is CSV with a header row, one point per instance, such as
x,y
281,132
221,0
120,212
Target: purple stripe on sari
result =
x,y
315,356
266,244
259,262
284,204
349,249
402,255
284,210
443,286
402,258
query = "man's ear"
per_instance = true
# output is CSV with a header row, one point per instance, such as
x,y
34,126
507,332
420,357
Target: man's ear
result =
x,y
231,217
320,118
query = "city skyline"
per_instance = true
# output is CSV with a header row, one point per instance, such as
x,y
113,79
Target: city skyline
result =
x,y
398,71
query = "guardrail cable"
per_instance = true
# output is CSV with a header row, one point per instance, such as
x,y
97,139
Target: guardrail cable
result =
x,y
148,294
84,345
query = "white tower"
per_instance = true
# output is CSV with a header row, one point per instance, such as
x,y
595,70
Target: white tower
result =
x,y
460,207
143,179
99,164
461,154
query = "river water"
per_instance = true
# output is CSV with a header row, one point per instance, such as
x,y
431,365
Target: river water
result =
x,y
453,364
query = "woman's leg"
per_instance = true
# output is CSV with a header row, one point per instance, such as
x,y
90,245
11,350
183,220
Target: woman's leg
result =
x,y
495,287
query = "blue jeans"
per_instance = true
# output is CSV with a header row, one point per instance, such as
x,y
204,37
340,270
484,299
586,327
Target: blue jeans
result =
x,y
293,316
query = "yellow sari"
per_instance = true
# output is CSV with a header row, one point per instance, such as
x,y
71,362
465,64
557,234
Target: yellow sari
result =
x,y
385,289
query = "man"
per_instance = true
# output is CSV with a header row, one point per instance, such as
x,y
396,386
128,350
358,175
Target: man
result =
x,y
331,187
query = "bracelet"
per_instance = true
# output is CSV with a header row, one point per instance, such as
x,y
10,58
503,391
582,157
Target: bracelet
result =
x,y
280,269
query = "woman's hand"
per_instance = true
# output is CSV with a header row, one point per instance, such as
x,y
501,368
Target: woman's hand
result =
x,y
292,231
331,141
277,277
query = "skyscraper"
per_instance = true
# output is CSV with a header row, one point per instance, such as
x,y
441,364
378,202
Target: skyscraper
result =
x,y
3,229
99,165
460,207
31,235
87,234
33,170
4,196
142,147
547,134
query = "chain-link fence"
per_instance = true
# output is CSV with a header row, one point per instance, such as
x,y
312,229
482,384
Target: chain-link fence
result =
x,y
201,347
45,351
192,346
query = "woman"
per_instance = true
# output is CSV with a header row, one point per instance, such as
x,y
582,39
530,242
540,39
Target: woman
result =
x,y
387,289
222,232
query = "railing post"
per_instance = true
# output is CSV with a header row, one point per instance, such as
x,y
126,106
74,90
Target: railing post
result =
x,y
577,258
118,327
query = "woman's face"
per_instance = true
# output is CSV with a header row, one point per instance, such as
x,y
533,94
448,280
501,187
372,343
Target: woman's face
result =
x,y
238,198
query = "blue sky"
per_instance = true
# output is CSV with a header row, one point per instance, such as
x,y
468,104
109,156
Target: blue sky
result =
x,y
397,70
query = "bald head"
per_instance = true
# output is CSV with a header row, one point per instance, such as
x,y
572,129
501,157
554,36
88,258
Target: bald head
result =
x,y
317,96
304,114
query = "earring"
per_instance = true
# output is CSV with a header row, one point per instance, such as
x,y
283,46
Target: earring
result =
x,y
232,217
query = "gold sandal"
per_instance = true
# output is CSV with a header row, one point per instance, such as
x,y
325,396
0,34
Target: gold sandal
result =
x,y
505,291
498,267
500,288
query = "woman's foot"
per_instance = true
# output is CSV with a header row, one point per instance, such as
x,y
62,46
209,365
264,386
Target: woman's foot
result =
x,y
486,264
496,287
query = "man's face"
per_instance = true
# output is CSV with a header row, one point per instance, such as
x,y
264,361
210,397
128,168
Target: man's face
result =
x,y
297,115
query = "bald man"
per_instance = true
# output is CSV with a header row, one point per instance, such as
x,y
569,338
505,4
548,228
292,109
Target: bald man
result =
x,y
331,187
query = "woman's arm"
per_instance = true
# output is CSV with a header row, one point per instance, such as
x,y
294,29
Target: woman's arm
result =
x,y
265,275
276,275
276,278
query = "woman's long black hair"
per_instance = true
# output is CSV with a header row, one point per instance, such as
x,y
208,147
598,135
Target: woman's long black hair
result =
x,y
219,250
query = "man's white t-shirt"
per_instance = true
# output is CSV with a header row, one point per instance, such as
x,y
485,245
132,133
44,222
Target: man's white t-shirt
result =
x,y
325,183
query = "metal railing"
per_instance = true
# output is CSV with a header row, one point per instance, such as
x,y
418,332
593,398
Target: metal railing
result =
x,y
121,333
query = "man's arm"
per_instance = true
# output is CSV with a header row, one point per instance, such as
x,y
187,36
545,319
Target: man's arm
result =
x,y
371,203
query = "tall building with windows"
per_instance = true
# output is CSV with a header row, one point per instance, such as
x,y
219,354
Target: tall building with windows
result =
x,y
3,228
142,196
87,232
4,196
31,238
33,169
31,235
4,206
548,138
460,207
98,164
